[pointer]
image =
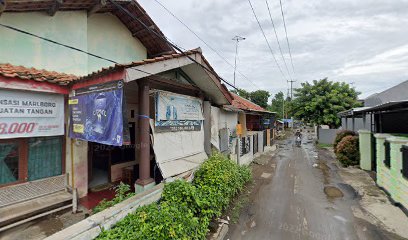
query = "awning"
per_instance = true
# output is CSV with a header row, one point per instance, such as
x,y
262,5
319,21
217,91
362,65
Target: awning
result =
x,y
352,111
389,106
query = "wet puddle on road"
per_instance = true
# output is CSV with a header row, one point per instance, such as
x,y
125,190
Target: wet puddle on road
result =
x,y
333,192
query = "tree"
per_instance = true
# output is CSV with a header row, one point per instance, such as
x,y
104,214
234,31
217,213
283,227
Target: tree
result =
x,y
319,102
277,104
260,97
242,93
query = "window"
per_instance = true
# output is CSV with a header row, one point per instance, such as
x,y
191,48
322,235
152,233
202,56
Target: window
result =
x,y
387,161
404,169
9,162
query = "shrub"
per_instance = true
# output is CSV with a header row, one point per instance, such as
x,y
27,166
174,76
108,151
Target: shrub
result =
x,y
185,209
218,180
159,221
122,192
182,193
340,135
348,151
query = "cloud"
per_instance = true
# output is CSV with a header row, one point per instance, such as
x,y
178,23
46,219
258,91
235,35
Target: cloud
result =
x,y
361,42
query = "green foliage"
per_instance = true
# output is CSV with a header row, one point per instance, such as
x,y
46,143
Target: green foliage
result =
x,y
320,101
185,209
218,180
277,105
182,193
122,192
159,221
259,97
348,152
242,93
340,135
324,145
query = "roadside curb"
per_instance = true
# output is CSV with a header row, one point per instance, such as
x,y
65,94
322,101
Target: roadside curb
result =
x,y
220,233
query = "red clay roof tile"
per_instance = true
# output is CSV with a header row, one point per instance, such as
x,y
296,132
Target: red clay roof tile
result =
x,y
11,71
244,104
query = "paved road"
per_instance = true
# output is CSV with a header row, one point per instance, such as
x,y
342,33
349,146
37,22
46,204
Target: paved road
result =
x,y
300,201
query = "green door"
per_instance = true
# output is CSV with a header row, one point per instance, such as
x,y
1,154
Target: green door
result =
x,y
44,157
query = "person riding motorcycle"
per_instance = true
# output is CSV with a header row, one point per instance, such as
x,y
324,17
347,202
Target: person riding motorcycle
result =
x,y
298,137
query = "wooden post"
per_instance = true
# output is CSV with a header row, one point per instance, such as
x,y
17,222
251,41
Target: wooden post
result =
x,y
144,134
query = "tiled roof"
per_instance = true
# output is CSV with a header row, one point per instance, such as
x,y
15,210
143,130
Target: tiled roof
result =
x,y
139,63
152,39
244,104
10,71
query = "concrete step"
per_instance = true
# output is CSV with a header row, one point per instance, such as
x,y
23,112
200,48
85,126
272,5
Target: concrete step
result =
x,y
28,209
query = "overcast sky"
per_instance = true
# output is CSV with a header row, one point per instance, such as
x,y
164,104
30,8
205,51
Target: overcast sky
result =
x,y
363,42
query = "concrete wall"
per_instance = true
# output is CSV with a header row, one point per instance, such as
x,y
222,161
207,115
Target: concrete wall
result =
x,y
326,136
100,34
207,127
259,135
249,157
365,149
92,226
391,179
242,121
65,27
80,165
108,37
347,123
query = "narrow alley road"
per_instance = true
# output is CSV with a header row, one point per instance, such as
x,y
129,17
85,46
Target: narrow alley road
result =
x,y
303,198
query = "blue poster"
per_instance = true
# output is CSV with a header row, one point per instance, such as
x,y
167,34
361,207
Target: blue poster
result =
x,y
97,114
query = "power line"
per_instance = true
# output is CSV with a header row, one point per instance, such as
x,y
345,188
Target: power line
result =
x,y
202,40
266,39
77,49
277,38
286,32
164,38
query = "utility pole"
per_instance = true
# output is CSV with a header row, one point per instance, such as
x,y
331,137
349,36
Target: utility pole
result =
x,y
291,89
237,39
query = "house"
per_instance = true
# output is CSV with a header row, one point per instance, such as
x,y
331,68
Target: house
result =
x,y
32,150
164,100
383,139
128,109
357,118
257,128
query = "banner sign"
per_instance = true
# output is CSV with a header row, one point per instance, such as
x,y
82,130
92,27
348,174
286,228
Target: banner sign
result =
x,y
30,114
97,114
175,112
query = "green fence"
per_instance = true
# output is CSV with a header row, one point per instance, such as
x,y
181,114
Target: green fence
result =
x,y
390,178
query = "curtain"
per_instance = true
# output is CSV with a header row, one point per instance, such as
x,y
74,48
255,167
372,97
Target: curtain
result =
x,y
44,157
6,168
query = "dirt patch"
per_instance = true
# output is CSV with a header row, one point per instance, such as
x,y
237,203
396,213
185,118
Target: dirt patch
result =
x,y
261,175
325,170
333,192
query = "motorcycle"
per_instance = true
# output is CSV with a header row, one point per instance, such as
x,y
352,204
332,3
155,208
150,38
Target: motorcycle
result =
x,y
298,141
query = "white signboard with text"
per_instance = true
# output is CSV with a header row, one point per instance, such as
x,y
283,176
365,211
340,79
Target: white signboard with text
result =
x,y
173,107
30,114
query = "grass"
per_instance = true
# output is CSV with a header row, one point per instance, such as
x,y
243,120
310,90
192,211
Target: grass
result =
x,y
324,145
